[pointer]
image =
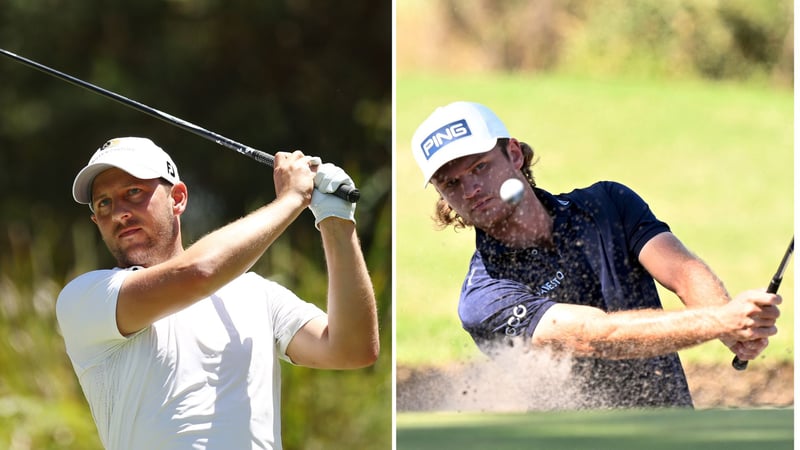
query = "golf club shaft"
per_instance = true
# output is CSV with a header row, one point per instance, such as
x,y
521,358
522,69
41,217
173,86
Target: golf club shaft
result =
x,y
348,193
774,284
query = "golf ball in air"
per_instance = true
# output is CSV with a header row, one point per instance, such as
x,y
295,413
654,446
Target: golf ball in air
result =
x,y
511,191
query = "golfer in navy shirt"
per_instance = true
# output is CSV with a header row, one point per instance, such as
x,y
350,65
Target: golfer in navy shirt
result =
x,y
575,273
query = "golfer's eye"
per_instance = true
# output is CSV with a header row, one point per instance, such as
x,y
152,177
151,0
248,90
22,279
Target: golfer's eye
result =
x,y
102,205
451,183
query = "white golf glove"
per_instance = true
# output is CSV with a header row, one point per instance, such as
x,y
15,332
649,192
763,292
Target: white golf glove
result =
x,y
324,204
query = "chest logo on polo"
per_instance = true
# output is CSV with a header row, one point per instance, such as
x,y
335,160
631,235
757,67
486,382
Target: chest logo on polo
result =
x,y
546,287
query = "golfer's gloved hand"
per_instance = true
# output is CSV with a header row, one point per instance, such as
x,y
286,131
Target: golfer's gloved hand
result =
x,y
324,204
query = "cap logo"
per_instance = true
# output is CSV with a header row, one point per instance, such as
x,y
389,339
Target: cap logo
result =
x,y
170,169
443,136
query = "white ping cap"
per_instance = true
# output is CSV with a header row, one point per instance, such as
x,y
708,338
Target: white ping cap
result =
x,y
452,131
139,157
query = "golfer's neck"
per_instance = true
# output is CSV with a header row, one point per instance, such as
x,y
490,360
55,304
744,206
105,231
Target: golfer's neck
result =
x,y
528,226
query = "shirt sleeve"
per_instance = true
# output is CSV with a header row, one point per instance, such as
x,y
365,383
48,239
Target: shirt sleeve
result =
x,y
289,314
638,220
86,310
496,309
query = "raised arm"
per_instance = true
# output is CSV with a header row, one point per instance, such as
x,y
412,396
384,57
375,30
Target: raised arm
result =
x,y
348,337
213,261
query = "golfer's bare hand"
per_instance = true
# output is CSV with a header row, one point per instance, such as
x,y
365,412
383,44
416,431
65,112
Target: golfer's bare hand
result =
x,y
293,176
751,317
749,350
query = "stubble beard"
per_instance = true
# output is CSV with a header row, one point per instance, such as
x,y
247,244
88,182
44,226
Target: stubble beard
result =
x,y
152,251
495,221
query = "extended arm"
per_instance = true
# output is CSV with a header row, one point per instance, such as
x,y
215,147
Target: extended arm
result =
x,y
587,331
745,323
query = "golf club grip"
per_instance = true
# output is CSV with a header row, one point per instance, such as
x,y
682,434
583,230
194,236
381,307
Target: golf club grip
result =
x,y
774,284
349,193
739,364
345,192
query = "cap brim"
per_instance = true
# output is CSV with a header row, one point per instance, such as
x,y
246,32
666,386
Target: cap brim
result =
x,y
449,155
82,186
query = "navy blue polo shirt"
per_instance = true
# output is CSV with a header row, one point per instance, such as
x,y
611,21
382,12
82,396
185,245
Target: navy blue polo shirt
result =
x,y
598,233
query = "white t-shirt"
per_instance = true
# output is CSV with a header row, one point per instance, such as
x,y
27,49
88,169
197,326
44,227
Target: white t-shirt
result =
x,y
206,377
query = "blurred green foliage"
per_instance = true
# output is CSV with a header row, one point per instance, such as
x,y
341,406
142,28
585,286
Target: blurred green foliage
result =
x,y
715,39
275,75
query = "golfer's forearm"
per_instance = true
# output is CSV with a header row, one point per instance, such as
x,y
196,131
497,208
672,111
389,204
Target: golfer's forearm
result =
x,y
352,315
647,333
226,253
634,334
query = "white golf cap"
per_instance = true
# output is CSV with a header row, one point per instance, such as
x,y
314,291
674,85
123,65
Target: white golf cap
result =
x,y
452,131
139,157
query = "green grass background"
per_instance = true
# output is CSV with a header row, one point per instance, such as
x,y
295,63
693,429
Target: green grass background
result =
x,y
714,160
598,430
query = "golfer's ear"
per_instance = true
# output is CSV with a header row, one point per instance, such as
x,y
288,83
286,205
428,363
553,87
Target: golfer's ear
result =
x,y
515,153
180,196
